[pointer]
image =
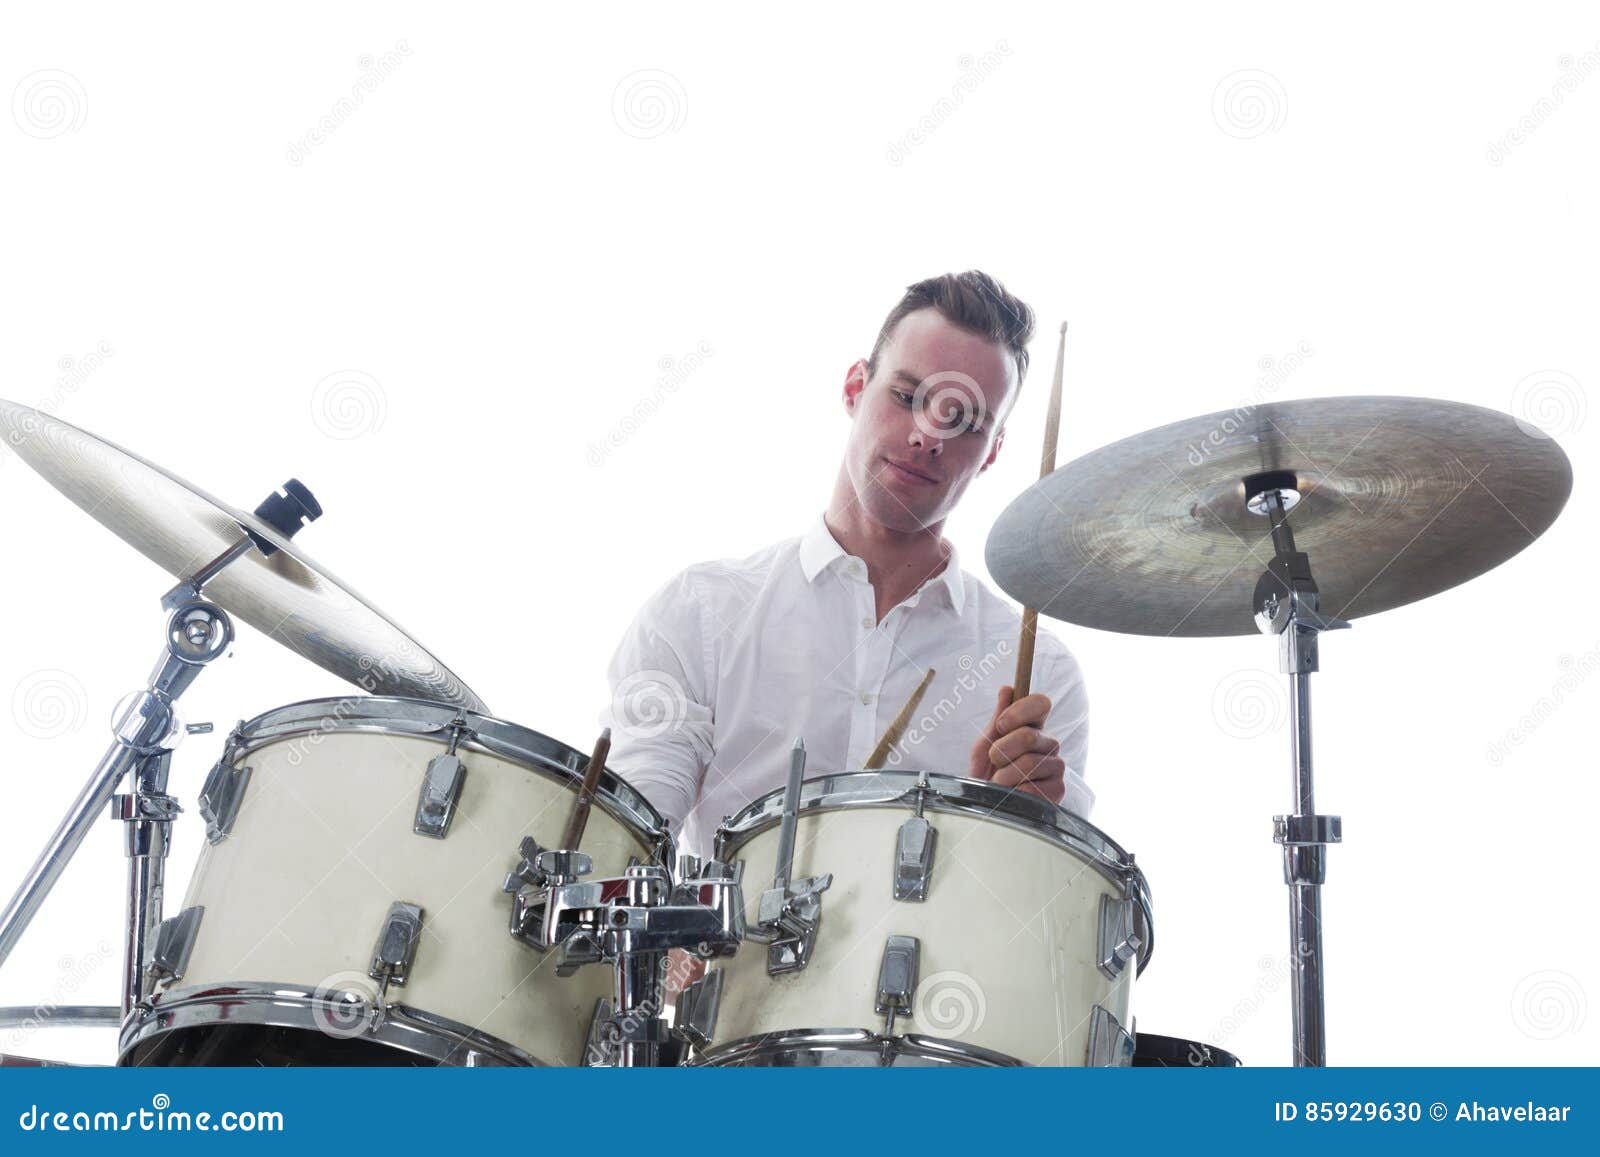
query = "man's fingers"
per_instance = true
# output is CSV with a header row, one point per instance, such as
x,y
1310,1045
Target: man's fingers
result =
x,y
1038,770
1029,711
1020,743
981,767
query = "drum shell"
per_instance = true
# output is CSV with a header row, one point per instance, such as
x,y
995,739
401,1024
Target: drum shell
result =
x,y
1009,934
295,894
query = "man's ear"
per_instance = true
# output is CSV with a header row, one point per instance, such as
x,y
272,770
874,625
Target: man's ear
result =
x,y
855,381
994,451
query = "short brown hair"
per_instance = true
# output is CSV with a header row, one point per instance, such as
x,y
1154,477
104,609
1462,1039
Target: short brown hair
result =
x,y
972,300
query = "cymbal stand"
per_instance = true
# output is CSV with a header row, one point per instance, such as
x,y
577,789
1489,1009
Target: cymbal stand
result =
x,y
145,730
1285,603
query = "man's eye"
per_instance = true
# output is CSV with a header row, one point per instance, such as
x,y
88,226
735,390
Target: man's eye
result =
x,y
905,398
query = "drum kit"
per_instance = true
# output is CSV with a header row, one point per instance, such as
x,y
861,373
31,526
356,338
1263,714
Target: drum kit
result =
x,y
400,877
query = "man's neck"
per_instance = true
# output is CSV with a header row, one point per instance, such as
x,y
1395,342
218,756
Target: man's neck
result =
x,y
898,562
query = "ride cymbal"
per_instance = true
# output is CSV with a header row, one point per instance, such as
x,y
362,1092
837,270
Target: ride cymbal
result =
x,y
1399,498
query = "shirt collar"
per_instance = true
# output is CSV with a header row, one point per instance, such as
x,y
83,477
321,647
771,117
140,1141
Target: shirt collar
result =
x,y
819,550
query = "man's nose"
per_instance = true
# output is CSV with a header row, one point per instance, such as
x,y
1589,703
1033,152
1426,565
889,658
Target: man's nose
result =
x,y
923,440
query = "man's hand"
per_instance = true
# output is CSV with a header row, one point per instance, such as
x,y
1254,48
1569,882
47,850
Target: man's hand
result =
x,y
1014,752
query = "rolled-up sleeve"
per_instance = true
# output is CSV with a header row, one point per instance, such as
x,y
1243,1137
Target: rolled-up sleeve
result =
x,y
1068,720
660,711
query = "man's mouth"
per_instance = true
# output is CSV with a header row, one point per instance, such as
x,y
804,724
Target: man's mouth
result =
x,y
911,473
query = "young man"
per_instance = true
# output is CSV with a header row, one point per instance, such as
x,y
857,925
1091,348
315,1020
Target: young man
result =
x,y
826,636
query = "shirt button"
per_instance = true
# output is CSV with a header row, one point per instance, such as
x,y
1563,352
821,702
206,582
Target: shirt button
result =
x,y
866,697
868,622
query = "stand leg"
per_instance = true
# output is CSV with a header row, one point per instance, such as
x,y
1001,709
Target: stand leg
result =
x,y
89,806
145,726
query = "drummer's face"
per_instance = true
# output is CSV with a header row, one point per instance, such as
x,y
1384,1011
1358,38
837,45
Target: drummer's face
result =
x,y
928,422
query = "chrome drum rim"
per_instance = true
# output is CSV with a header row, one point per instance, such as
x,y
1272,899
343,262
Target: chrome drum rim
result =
x,y
961,796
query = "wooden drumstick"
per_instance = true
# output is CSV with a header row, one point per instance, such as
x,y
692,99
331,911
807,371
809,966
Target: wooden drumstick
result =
x,y
1047,463
898,727
586,790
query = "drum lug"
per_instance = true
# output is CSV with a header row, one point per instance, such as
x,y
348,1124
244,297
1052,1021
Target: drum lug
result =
x,y
897,979
1119,935
1110,1045
597,1051
174,941
396,949
441,788
788,921
698,1005
223,792
913,859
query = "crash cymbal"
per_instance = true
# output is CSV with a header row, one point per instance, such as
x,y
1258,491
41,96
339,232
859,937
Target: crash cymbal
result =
x,y
1399,499
181,528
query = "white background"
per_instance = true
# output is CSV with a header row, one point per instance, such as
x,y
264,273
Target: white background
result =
x,y
462,318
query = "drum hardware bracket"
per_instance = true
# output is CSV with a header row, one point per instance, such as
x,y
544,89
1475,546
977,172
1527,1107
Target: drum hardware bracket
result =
x,y
698,1005
172,943
787,922
913,851
789,912
1119,935
396,949
538,873
1286,603
441,788
897,981
630,922
597,1049
223,792
1110,1045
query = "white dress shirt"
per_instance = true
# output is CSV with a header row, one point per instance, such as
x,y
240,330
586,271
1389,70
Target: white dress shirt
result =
x,y
731,661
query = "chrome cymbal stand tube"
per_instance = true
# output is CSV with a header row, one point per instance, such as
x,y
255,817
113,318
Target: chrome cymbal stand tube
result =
x,y
145,730
1286,604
